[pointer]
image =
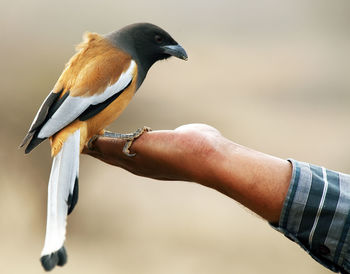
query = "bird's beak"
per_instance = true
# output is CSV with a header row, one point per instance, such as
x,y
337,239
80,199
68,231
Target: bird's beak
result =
x,y
176,51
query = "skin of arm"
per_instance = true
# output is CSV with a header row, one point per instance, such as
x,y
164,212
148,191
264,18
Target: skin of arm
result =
x,y
199,153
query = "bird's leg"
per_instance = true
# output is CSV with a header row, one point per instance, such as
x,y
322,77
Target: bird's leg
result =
x,y
129,137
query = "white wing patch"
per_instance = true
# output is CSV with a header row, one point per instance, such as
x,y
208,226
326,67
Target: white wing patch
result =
x,y
72,107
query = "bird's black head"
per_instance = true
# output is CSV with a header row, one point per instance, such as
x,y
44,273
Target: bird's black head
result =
x,y
146,43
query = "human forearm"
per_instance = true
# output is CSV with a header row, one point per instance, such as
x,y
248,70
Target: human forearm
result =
x,y
256,180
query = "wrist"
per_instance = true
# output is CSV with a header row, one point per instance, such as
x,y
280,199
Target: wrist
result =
x,y
210,156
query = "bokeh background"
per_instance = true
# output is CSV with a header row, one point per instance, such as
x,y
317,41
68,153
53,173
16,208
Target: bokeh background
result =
x,y
271,75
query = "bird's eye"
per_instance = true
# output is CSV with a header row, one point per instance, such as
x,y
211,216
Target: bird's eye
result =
x,y
158,39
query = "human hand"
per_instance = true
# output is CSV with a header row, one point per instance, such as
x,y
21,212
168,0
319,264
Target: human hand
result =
x,y
166,154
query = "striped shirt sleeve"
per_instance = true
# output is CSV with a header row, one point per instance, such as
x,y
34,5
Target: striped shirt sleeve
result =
x,y
316,215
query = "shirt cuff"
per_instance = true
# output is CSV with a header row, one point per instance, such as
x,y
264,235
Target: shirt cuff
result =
x,y
316,216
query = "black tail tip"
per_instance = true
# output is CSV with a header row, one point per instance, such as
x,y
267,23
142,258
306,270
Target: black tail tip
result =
x,y
56,258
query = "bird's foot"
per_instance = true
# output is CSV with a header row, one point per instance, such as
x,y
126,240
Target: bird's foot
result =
x,y
129,137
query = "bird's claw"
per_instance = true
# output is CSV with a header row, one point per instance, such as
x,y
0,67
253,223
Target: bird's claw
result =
x,y
90,143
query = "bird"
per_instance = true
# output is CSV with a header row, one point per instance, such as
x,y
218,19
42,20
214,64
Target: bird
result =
x,y
96,85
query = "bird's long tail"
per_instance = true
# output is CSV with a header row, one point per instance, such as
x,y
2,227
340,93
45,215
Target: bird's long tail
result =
x,y
62,197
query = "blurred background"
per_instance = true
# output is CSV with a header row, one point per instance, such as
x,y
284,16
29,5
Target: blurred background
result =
x,y
270,75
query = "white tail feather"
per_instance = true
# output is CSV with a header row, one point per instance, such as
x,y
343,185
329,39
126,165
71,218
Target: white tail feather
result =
x,y
64,171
